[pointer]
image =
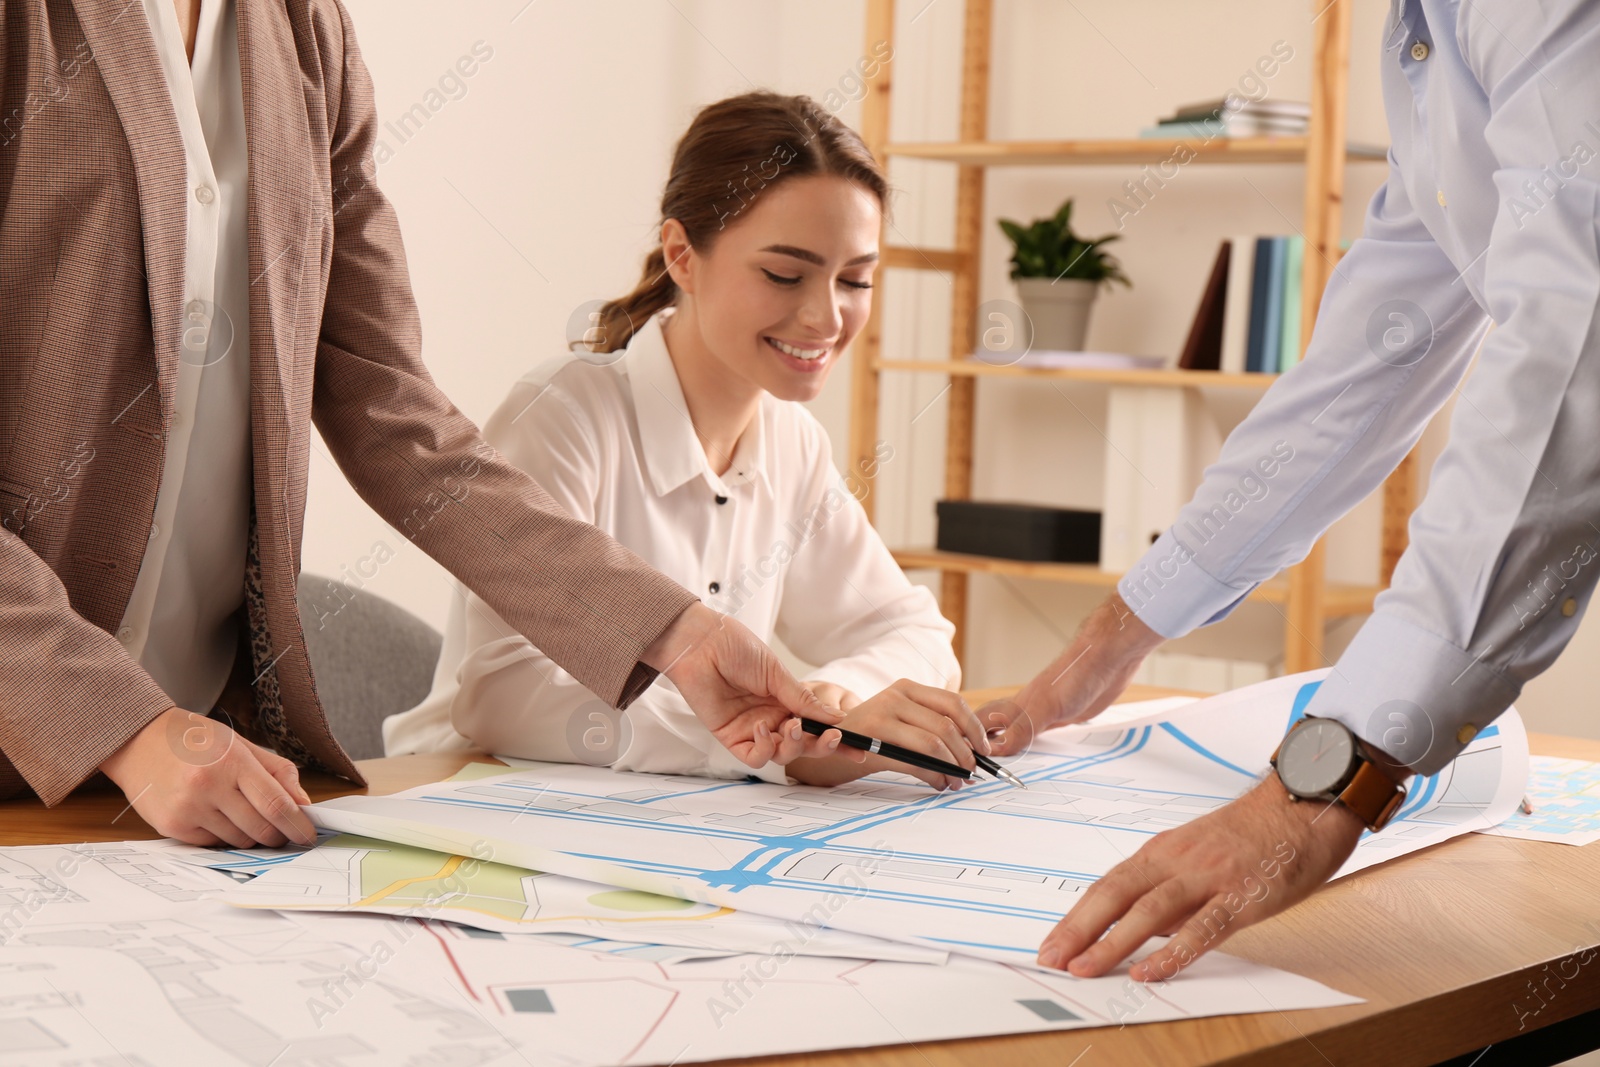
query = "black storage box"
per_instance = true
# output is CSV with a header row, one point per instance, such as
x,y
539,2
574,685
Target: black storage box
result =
x,y
1019,531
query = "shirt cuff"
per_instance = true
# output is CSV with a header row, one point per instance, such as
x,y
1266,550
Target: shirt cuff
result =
x,y
1412,694
1172,594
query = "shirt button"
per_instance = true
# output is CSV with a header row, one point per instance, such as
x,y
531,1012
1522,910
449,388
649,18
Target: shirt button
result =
x,y
1569,607
155,531
716,587
197,307
1466,733
125,634
205,194
1441,199
721,499
1419,50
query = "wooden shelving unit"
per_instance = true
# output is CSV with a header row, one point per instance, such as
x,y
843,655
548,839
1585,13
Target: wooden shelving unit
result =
x,y
1103,153
1188,379
1306,600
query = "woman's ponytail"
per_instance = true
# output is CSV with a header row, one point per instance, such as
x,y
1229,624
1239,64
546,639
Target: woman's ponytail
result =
x,y
619,319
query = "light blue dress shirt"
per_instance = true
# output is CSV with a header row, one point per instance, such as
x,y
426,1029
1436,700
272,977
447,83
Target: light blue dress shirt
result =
x,y
1489,212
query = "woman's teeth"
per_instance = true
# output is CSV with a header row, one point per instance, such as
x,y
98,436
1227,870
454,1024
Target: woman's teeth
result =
x,y
798,353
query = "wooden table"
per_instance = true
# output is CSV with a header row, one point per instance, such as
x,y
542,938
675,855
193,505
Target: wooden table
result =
x,y
1446,946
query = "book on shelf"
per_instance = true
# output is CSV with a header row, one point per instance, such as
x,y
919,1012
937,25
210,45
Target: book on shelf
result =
x,y
1236,298
1261,303
1236,105
1234,117
1202,349
1293,272
1264,356
1206,129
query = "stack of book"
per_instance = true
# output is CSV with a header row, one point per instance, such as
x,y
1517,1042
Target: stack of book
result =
x,y
1249,314
1234,117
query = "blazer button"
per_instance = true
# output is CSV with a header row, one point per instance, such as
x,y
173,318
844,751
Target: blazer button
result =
x,y
716,587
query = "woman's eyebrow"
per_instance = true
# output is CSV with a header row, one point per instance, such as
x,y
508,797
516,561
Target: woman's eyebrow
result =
x,y
811,257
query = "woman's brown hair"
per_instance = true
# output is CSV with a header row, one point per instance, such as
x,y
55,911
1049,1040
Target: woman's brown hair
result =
x,y
733,151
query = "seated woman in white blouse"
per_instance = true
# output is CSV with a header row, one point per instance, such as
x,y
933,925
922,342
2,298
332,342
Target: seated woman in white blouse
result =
x,y
690,447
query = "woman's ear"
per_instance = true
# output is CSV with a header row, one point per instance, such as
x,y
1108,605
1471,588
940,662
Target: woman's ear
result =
x,y
679,254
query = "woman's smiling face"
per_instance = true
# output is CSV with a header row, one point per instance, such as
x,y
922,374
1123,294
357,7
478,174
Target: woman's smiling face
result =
x,y
786,287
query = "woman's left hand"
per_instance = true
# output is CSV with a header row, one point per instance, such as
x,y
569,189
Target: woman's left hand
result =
x,y
834,696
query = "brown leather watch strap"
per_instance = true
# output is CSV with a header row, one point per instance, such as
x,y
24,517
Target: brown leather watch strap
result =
x,y
1373,796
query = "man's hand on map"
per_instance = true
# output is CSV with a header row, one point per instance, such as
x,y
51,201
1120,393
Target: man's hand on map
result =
x,y
1202,881
1079,684
935,722
736,686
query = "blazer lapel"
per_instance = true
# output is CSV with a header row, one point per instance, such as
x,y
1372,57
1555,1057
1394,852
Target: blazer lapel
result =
x,y
281,184
124,49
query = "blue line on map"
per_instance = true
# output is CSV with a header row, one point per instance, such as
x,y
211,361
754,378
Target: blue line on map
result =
x,y
1204,751
1034,951
1419,798
1302,697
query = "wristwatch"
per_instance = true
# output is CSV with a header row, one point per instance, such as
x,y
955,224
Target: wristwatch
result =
x,y
1318,759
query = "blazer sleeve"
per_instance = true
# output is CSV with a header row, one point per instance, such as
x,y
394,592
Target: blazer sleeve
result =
x,y
70,695
590,604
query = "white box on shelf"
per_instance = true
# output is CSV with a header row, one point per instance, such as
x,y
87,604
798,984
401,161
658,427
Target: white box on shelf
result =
x,y
1158,441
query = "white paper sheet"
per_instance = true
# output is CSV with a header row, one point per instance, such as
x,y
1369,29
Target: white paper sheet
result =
x,y
114,955
987,870
1565,795
351,873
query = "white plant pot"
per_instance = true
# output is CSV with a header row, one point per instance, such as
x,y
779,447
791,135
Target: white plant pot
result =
x,y
1059,310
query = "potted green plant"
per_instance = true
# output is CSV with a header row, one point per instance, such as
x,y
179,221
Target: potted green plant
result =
x,y
1058,274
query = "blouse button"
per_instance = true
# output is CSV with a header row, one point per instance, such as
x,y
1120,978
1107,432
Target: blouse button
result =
x,y
716,587
721,499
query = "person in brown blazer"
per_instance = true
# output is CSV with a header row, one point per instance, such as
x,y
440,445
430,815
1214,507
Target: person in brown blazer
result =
x,y
163,161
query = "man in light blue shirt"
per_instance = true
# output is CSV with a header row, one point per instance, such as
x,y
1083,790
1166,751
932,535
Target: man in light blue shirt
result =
x,y
1489,212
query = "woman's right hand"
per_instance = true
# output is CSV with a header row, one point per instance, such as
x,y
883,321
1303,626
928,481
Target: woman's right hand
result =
x,y
195,779
934,722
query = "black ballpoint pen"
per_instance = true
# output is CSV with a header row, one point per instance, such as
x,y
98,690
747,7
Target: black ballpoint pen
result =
x,y
889,750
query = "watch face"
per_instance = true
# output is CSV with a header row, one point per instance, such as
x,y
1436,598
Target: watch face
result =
x,y
1315,757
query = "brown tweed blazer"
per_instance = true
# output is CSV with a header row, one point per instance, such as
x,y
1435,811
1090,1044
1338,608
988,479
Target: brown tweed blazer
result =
x,y
92,214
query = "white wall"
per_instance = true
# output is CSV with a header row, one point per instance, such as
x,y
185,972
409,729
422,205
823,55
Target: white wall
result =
x,y
536,191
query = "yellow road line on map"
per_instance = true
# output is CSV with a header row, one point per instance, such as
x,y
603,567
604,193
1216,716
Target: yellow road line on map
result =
x,y
389,890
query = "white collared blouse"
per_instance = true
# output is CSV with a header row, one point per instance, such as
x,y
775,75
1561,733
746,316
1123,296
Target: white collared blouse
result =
x,y
180,624
779,542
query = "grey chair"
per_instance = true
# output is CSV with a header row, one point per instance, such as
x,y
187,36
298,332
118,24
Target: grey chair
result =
x,y
372,658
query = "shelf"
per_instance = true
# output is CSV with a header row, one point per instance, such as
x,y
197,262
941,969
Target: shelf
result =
x,y
1189,379
1338,600
1131,150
